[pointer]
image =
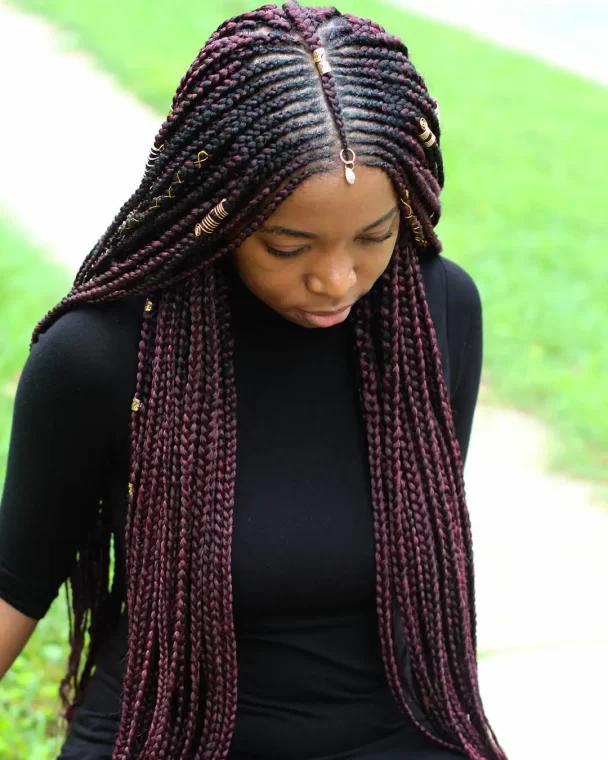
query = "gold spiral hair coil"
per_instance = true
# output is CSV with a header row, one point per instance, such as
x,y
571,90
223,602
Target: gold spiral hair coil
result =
x,y
209,224
220,211
153,156
413,221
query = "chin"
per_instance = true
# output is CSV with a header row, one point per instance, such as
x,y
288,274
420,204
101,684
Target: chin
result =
x,y
297,320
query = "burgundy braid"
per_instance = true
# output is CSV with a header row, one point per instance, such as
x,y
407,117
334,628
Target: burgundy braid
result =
x,y
253,100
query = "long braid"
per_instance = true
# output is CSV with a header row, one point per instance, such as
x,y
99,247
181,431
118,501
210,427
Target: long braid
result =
x,y
250,121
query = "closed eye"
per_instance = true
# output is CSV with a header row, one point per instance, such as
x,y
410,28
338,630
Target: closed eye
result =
x,y
377,239
285,254
364,240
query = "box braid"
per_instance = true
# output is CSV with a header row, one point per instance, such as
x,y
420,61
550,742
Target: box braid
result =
x,y
250,121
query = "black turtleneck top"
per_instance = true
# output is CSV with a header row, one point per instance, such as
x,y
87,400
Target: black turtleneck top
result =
x,y
311,683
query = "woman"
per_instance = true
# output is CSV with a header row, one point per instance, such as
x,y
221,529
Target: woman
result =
x,y
260,389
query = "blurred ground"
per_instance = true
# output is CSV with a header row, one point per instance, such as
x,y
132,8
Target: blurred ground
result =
x,y
542,564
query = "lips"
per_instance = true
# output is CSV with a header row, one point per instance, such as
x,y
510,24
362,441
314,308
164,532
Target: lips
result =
x,y
327,319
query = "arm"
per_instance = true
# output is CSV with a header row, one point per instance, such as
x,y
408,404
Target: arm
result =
x,y
15,631
59,451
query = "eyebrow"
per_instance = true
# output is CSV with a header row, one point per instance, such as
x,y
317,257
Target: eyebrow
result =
x,y
279,230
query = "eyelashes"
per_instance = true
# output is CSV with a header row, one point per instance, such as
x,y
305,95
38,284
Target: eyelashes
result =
x,y
283,254
377,239
298,251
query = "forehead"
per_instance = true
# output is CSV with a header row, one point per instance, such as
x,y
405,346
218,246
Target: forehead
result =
x,y
326,205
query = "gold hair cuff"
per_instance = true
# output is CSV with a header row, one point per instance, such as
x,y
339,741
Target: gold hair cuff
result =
x,y
131,489
426,137
136,405
209,224
319,56
148,305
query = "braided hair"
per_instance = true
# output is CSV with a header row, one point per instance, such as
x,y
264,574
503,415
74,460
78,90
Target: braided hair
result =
x,y
250,121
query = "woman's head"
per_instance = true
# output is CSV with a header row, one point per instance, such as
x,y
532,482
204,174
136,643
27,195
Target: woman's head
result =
x,y
254,122
251,120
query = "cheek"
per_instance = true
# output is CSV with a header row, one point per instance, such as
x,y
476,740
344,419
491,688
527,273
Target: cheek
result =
x,y
271,281
373,266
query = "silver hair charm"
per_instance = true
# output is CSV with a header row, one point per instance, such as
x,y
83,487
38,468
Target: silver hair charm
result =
x,y
349,165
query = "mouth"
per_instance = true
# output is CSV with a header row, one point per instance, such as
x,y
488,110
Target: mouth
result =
x,y
327,318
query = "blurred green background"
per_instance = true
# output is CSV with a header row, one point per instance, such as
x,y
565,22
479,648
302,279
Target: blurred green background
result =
x,y
524,148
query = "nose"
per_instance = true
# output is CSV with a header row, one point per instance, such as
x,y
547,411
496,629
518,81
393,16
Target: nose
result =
x,y
333,278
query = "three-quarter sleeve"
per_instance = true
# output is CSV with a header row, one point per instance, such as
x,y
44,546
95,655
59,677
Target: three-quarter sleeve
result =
x,y
58,456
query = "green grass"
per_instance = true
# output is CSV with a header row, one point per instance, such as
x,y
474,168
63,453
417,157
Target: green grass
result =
x,y
29,286
525,160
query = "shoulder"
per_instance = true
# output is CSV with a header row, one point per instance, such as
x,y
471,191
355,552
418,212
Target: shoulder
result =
x,y
455,306
86,359
90,341
462,292
449,283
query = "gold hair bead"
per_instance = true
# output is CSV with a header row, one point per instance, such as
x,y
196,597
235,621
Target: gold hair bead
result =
x,y
319,56
426,137
148,305
136,405
131,489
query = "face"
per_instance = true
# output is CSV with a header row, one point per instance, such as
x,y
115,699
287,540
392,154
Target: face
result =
x,y
324,247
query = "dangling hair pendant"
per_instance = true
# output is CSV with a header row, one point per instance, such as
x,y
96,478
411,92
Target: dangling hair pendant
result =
x,y
349,165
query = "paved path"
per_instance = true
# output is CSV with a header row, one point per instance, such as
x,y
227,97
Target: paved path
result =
x,y
542,573
542,564
88,139
567,33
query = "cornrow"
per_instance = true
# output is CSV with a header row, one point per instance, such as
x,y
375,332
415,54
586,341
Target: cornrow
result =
x,y
250,121
307,24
